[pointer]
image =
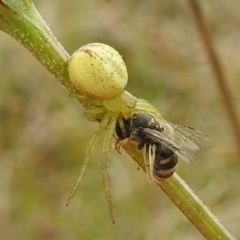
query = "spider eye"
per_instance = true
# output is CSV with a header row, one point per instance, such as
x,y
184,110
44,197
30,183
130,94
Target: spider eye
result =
x,y
98,71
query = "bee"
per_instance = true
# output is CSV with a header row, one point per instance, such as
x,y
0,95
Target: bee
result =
x,y
162,142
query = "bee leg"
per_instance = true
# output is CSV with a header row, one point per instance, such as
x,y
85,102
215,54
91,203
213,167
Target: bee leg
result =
x,y
151,156
123,139
106,144
146,160
90,147
122,127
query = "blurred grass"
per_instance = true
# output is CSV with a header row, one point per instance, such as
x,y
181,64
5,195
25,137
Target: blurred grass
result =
x,y
43,133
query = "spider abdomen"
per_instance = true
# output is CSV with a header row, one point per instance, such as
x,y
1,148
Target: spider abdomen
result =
x,y
98,71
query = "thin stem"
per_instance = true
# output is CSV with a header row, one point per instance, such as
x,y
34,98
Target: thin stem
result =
x,y
218,70
22,21
185,199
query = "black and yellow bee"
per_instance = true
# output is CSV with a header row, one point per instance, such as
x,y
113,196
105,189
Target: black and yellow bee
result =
x,y
162,142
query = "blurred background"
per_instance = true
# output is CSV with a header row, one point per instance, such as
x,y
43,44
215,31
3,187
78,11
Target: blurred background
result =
x,y
43,132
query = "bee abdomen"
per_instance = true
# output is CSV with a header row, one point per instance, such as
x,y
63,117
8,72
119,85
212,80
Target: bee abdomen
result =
x,y
164,168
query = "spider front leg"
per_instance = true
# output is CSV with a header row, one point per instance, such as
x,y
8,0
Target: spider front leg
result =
x,y
110,131
94,107
86,99
144,106
90,147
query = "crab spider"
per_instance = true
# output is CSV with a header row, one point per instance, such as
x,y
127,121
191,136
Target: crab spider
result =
x,y
100,75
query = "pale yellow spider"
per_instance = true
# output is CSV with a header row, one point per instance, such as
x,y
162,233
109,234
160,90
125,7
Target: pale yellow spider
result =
x,y
100,74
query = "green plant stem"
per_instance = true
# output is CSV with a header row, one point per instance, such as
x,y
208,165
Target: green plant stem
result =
x,y
21,20
185,199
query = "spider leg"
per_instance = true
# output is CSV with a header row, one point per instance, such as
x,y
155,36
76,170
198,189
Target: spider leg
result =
x,y
106,144
94,113
90,147
145,106
84,98
119,143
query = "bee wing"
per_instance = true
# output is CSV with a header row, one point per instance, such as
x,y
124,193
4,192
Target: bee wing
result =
x,y
158,137
185,136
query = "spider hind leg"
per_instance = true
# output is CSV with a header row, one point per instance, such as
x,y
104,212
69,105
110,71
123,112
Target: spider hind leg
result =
x,y
106,145
91,145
